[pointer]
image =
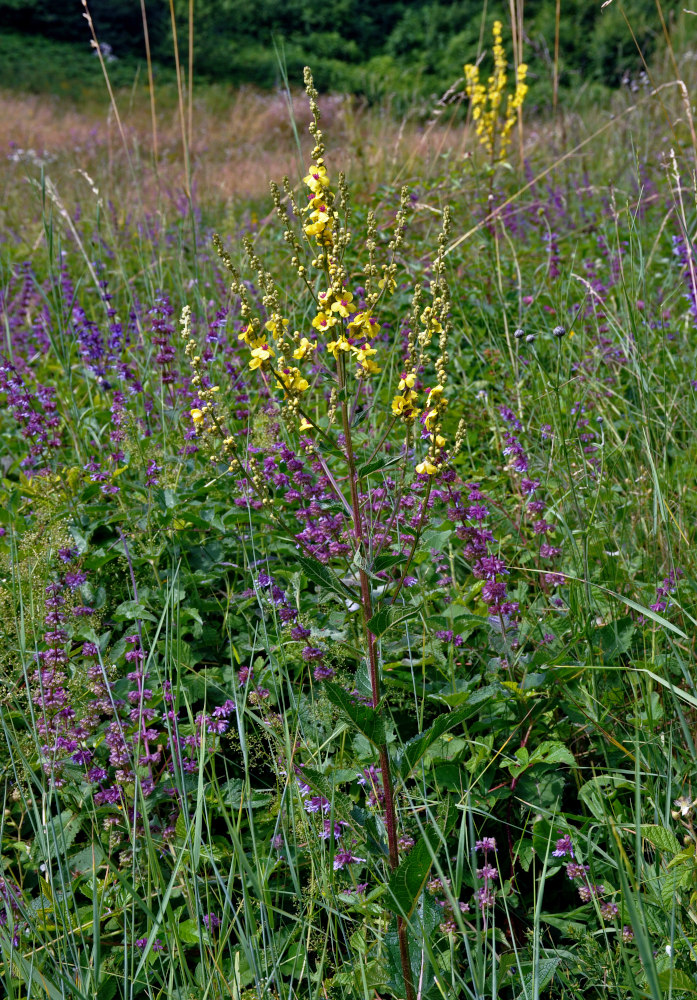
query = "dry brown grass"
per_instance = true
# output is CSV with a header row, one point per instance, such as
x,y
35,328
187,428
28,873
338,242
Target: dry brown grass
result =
x,y
239,141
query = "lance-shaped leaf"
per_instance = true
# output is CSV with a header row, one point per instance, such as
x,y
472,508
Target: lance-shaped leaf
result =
x,y
364,718
413,751
407,882
389,617
320,574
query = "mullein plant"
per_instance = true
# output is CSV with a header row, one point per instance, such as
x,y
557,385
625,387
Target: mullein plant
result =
x,y
494,111
328,379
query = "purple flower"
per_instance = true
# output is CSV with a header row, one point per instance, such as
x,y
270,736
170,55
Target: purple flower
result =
x,y
345,857
211,922
485,844
563,846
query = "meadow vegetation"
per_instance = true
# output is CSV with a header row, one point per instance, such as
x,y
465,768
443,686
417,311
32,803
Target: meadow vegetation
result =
x,y
347,542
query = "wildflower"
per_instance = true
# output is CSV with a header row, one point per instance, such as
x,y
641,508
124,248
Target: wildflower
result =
x,y
426,468
260,355
608,910
485,844
345,857
334,346
304,348
563,847
559,332
292,381
324,321
627,934
211,922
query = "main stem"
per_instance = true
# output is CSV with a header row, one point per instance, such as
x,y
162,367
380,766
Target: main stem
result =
x,y
367,606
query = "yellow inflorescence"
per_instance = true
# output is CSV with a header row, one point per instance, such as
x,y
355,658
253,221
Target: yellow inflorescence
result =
x,y
495,119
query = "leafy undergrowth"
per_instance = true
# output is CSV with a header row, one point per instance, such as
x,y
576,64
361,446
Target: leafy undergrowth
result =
x,y
348,585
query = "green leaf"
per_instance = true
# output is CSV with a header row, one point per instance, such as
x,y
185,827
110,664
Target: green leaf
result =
x,y
131,610
435,539
321,575
414,750
677,980
389,617
615,639
407,882
661,838
386,562
535,981
365,719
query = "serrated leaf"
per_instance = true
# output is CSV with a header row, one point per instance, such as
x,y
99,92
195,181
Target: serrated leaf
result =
x,y
414,750
407,882
365,719
535,981
389,617
321,575
661,838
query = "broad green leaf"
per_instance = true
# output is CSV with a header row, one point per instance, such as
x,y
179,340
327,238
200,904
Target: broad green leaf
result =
x,y
661,838
320,574
677,980
413,751
364,718
537,978
390,617
130,610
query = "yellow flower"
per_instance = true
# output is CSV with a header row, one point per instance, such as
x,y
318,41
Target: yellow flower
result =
x,y
363,352
344,305
324,321
439,440
305,346
426,468
197,417
273,328
363,325
434,396
370,367
260,355
305,425
316,178
293,381
247,335
430,419
390,282
407,381
403,406
341,344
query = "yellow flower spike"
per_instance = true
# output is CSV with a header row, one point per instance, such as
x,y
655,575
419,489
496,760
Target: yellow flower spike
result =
x,y
324,321
305,347
426,468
